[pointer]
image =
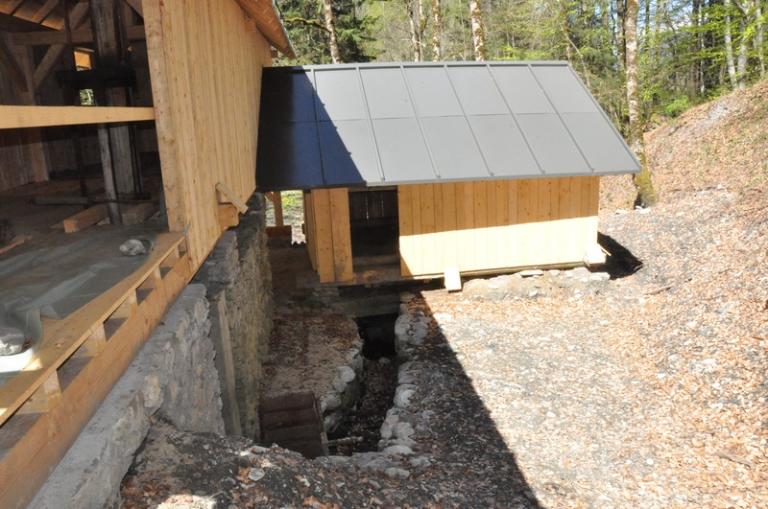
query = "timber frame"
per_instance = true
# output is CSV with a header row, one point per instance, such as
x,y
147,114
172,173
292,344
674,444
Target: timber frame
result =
x,y
205,110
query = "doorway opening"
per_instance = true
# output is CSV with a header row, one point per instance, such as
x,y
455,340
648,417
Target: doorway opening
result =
x,y
374,228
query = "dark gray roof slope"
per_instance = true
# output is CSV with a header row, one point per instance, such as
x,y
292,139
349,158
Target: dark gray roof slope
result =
x,y
402,123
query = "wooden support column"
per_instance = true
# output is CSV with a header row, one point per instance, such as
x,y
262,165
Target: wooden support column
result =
x,y
107,43
21,64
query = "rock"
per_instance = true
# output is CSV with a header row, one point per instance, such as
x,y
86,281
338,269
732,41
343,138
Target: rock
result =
x,y
338,384
531,273
578,272
135,247
420,461
403,395
599,277
406,297
397,473
553,272
398,450
410,329
11,340
384,361
346,374
388,426
403,430
331,422
330,401
256,474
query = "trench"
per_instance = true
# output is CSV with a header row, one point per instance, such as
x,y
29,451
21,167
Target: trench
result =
x,y
360,430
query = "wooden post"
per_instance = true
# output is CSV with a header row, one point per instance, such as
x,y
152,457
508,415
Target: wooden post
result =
x,y
109,177
108,51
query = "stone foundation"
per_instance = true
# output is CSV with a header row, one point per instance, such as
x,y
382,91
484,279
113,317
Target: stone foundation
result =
x,y
239,282
173,377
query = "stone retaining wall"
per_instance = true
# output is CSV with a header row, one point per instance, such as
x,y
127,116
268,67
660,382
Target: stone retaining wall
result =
x,y
173,377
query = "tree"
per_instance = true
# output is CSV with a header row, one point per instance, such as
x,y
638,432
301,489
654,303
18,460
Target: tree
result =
x,y
646,194
478,29
437,30
414,24
330,26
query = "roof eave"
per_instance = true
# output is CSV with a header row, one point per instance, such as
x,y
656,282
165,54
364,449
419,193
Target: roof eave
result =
x,y
268,21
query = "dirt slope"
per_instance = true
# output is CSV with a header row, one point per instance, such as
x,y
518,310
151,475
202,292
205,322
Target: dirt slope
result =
x,y
720,143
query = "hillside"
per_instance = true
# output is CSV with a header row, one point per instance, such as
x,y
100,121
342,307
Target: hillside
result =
x,y
720,143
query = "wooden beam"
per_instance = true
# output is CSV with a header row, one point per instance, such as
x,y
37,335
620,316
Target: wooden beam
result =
x,y
8,59
226,195
85,218
264,15
11,6
76,18
44,11
342,235
137,214
16,117
136,6
13,24
80,36
229,216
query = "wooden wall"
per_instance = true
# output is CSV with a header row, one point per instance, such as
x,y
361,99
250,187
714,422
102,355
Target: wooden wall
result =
x,y
329,238
497,224
205,61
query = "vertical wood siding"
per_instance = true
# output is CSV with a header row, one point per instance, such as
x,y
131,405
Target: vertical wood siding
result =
x,y
205,62
496,224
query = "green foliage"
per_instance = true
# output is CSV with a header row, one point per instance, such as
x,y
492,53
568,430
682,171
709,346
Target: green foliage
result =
x,y
677,106
681,57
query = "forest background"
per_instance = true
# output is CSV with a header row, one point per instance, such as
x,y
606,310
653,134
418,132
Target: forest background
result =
x,y
644,60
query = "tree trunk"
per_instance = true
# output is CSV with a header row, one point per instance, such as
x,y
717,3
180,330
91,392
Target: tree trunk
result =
x,y
760,37
437,30
729,60
330,26
478,29
413,25
741,62
646,195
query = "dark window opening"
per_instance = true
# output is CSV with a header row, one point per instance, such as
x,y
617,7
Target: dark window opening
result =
x,y
374,223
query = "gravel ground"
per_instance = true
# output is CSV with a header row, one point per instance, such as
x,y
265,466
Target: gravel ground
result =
x,y
647,390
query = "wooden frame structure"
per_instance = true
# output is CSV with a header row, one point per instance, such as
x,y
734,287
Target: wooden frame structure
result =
x,y
206,110
469,227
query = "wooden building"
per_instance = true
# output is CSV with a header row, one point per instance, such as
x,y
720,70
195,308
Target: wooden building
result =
x,y
429,170
107,108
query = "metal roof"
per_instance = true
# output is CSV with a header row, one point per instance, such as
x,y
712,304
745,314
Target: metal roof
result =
x,y
404,123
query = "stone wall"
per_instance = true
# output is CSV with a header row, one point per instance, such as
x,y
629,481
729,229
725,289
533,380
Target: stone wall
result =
x,y
239,281
173,377
214,332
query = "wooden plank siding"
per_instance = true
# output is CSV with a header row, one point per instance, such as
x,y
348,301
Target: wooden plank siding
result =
x,y
477,226
330,240
205,62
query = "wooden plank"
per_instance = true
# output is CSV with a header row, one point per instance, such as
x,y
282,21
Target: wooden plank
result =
x,y
15,117
324,235
138,213
45,398
452,279
311,235
136,6
207,119
44,10
225,363
61,338
229,216
28,463
229,196
342,235
79,36
405,227
85,218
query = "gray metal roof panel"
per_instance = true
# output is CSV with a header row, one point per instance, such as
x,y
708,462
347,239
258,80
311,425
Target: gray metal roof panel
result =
x,y
383,124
